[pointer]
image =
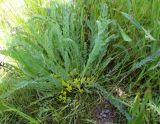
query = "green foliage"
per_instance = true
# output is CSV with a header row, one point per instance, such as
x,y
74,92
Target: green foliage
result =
x,y
138,109
11,109
68,55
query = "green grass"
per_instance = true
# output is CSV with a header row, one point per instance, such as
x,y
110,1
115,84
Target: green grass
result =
x,y
70,58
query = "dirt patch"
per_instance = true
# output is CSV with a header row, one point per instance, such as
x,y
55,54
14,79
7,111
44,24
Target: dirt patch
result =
x,y
105,113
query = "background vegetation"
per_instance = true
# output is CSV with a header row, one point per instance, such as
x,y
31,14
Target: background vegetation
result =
x,y
67,60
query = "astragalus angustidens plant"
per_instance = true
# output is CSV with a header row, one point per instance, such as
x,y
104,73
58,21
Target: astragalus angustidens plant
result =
x,y
71,56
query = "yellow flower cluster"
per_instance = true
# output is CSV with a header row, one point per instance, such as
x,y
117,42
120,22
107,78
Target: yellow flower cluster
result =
x,y
75,85
63,97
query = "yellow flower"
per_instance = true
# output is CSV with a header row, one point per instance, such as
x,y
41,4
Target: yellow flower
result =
x,y
69,88
64,83
64,92
77,85
76,80
64,99
68,81
60,97
81,90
